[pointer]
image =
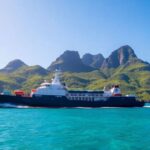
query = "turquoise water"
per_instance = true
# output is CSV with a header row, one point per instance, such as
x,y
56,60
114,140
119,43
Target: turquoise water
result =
x,y
75,129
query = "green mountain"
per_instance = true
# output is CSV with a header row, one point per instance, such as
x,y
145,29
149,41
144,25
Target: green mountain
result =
x,y
13,66
121,67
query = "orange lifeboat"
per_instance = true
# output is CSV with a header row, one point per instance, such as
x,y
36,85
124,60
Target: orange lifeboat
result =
x,y
19,92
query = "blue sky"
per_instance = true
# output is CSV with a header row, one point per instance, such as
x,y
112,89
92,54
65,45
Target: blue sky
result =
x,y
38,31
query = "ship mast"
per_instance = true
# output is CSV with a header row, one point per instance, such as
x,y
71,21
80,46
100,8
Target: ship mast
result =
x,y
56,79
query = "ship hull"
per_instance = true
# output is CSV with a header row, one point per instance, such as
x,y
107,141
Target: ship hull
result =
x,y
63,101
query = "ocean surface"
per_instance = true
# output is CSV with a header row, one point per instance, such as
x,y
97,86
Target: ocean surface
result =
x,y
75,129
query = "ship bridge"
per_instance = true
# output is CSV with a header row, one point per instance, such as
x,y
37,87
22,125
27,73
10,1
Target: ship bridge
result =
x,y
53,88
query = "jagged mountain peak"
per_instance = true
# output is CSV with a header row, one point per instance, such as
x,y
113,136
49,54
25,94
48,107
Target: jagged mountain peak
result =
x,y
69,61
94,61
70,55
119,57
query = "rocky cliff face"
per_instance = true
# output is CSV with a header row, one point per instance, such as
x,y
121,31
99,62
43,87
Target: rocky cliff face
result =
x,y
119,57
69,61
94,61
13,66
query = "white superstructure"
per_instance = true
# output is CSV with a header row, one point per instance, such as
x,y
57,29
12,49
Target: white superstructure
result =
x,y
53,88
114,91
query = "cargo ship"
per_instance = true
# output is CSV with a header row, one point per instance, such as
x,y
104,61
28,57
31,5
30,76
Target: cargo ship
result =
x,y
57,95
